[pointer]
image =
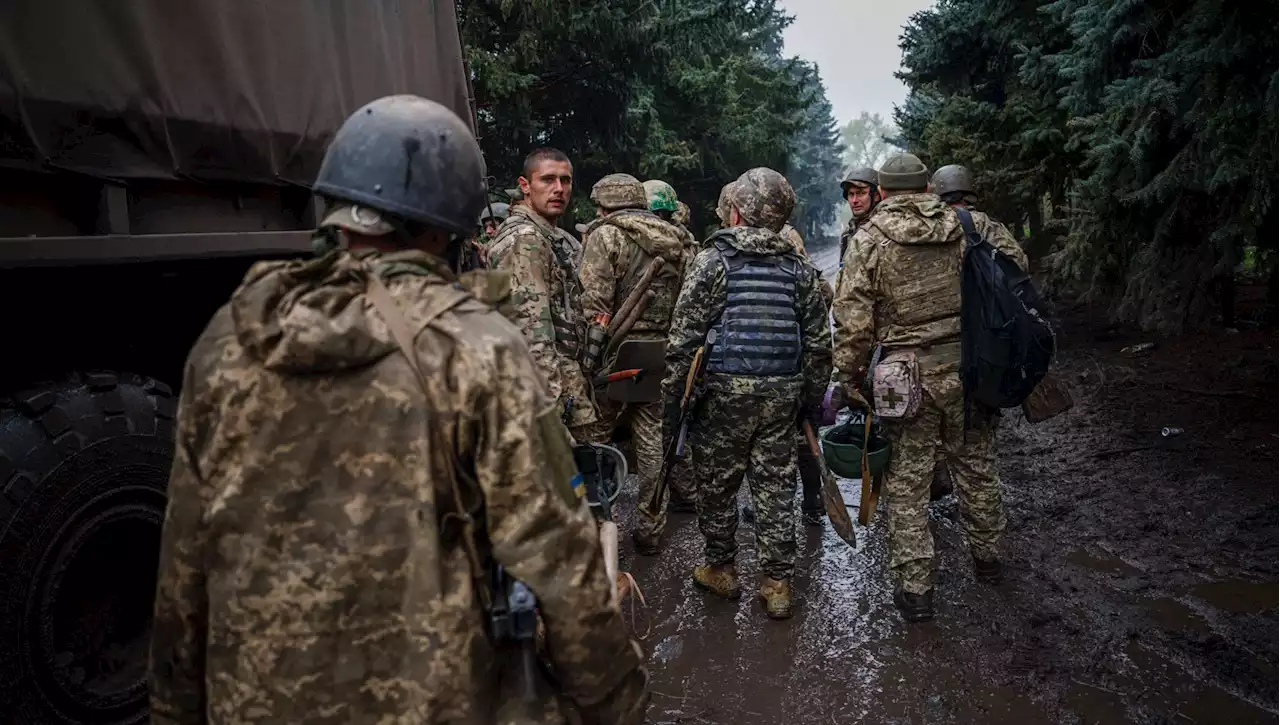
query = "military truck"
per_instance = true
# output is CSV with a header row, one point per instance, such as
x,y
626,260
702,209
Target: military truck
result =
x,y
150,151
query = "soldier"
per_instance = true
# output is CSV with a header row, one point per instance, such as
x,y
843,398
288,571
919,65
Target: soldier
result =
x,y
757,309
862,195
681,216
360,442
545,292
625,239
900,289
954,184
663,202
491,217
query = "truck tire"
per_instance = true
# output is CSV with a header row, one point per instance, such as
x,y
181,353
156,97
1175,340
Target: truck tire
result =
x,y
83,468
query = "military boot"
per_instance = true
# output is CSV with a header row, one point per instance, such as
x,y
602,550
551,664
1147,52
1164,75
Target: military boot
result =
x,y
777,597
813,518
646,544
914,607
721,579
988,571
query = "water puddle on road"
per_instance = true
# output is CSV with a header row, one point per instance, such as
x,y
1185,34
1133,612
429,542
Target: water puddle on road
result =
x,y
1238,596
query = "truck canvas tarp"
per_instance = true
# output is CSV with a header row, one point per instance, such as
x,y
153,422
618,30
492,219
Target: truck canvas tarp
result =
x,y
237,91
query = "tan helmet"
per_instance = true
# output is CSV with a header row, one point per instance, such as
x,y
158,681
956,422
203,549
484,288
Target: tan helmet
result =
x,y
681,216
722,204
619,191
764,198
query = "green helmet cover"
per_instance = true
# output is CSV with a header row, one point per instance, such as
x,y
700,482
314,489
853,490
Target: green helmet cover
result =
x,y
661,196
842,449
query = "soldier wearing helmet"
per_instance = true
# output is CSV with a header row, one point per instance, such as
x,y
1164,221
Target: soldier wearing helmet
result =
x,y
954,184
862,193
756,309
900,291
546,294
663,202
337,415
623,240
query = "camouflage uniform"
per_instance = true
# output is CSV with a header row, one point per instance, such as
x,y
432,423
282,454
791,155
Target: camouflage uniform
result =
x,y
620,245
546,294
746,422
900,288
312,568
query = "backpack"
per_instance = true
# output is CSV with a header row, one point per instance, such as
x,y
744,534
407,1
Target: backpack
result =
x,y
1006,346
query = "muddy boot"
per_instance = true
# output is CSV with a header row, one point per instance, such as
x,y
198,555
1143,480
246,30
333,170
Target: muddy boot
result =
x,y
941,486
777,597
988,571
646,545
720,580
914,607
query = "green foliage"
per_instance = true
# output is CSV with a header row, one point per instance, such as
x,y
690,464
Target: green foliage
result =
x,y
1150,127
693,92
867,141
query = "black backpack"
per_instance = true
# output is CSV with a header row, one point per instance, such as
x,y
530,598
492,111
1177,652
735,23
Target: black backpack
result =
x,y
1006,345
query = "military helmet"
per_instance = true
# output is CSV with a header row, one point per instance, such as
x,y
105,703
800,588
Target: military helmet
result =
x,y
859,174
682,213
661,196
903,172
842,448
410,158
619,191
494,210
952,177
764,198
515,194
723,204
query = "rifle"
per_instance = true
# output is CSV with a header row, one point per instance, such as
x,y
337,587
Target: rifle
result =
x,y
694,389
514,618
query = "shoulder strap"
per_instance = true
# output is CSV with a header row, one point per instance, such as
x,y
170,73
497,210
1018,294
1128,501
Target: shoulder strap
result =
x,y
404,336
970,232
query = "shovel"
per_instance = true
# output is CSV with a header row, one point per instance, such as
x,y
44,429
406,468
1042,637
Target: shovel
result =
x,y
832,499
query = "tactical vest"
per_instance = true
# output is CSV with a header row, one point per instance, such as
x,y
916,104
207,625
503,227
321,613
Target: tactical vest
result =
x,y
759,331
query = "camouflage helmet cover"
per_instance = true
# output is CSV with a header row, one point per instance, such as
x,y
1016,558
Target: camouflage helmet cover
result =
x,y
952,177
682,213
660,195
764,198
723,203
619,191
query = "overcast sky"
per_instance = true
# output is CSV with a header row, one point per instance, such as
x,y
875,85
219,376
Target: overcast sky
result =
x,y
855,44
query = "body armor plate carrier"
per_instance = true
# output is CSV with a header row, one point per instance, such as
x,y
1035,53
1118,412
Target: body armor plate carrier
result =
x,y
759,331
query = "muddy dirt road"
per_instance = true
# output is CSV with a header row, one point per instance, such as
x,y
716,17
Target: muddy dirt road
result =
x,y
1141,580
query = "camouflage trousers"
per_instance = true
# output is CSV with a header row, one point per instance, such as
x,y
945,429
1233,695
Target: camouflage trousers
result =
x,y
644,424
972,462
754,436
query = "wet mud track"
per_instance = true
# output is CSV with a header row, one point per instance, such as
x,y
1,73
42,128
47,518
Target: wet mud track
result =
x,y
1140,581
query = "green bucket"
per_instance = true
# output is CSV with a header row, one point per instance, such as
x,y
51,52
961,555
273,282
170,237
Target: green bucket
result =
x,y
842,449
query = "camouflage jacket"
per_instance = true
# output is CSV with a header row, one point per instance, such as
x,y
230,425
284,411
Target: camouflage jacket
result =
x,y
702,301
900,283
618,247
547,297
312,567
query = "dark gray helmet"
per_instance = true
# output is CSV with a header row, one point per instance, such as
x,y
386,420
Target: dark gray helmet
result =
x,y
952,177
408,157
861,174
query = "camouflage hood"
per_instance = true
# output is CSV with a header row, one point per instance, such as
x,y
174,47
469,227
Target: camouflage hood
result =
x,y
312,316
657,237
916,219
754,240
